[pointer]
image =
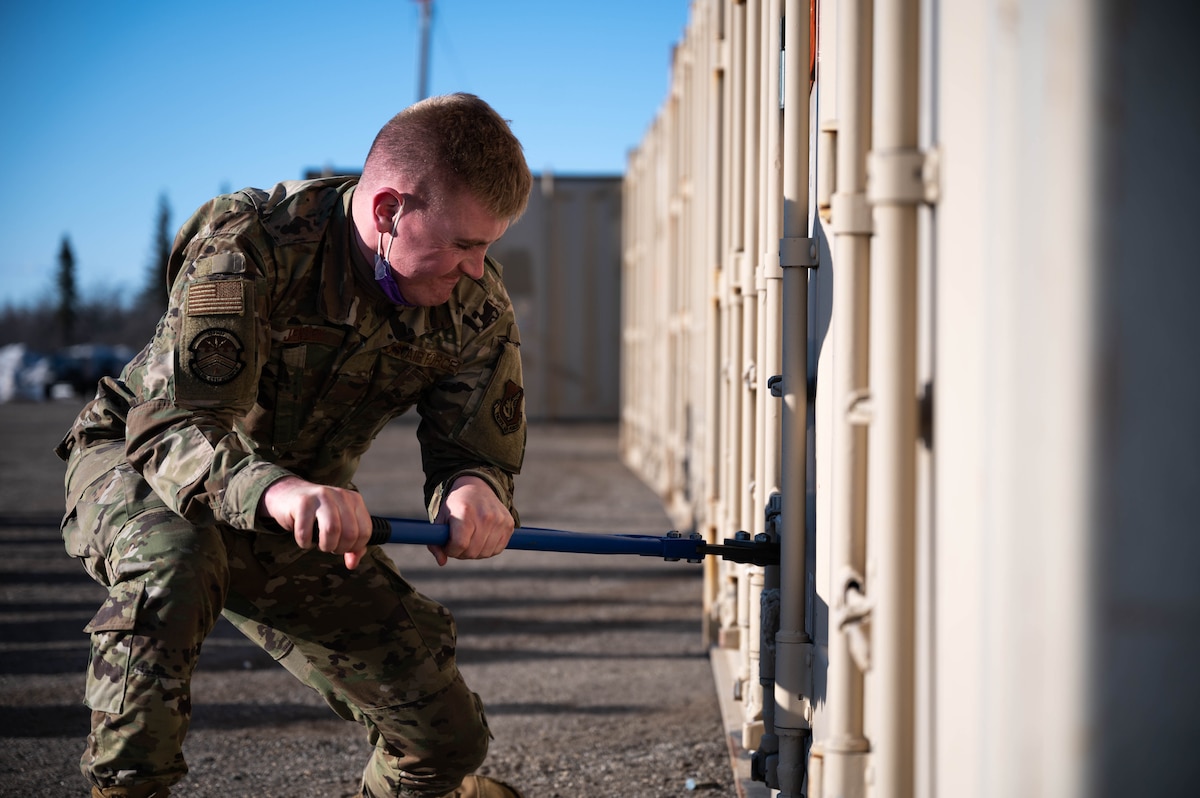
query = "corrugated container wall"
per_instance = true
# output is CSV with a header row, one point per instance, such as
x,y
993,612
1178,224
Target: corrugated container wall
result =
x,y
922,309
562,267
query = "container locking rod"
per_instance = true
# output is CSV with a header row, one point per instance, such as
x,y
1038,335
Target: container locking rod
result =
x,y
671,547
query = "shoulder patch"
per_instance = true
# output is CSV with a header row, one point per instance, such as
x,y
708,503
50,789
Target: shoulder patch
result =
x,y
216,350
508,410
492,424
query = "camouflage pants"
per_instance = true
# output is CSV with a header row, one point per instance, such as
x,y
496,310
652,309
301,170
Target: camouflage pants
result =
x,y
377,651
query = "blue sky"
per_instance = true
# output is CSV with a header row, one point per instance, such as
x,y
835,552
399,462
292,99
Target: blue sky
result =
x,y
107,106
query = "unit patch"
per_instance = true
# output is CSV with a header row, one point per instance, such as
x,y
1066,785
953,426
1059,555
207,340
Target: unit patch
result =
x,y
216,355
507,409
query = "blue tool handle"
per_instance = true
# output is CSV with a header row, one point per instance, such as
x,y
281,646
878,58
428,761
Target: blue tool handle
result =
x,y
671,547
402,530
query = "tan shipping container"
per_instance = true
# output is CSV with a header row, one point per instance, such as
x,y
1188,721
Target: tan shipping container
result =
x,y
562,267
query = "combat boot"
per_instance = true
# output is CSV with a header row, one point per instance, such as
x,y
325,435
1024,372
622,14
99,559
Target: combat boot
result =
x,y
144,791
476,787
483,787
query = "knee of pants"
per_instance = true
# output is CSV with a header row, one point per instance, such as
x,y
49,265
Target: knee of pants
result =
x,y
183,601
156,617
428,746
185,570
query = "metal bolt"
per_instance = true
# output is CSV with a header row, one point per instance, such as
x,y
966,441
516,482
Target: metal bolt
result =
x,y
672,535
742,535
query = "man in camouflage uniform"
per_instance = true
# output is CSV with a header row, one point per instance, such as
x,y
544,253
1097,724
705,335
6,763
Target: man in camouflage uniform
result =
x,y
301,320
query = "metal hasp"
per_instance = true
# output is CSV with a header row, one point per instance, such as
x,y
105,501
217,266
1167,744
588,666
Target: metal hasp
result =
x,y
760,551
671,547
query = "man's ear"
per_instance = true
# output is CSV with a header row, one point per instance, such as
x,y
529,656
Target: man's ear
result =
x,y
386,205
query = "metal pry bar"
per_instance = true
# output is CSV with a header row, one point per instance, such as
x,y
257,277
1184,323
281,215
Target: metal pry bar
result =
x,y
672,546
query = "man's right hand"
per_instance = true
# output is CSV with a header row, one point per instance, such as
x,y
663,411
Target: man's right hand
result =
x,y
340,515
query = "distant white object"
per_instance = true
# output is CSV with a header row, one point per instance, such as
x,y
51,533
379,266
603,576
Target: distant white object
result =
x,y
24,374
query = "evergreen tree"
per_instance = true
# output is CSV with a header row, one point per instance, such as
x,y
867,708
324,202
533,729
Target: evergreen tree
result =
x,y
154,295
68,299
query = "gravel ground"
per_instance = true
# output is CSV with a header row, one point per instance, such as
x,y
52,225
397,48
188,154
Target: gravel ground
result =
x,y
592,667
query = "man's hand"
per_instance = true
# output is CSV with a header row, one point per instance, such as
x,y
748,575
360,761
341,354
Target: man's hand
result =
x,y
480,524
340,515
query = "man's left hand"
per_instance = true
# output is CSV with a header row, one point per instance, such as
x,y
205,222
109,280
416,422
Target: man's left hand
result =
x,y
480,524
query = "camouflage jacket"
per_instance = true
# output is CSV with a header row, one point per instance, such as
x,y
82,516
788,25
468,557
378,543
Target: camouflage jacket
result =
x,y
279,355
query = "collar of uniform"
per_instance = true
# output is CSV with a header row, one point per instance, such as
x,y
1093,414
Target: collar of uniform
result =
x,y
340,299
348,298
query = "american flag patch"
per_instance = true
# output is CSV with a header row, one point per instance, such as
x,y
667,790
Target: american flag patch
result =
x,y
217,298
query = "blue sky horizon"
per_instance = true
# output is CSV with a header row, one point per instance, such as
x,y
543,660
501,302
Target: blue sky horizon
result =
x,y
110,107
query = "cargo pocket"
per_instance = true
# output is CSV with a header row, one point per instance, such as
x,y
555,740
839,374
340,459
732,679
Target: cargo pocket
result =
x,y
112,640
92,485
93,520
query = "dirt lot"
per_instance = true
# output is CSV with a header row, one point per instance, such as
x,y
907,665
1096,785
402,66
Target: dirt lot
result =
x,y
592,667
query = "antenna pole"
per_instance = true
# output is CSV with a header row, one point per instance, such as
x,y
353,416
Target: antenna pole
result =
x,y
423,62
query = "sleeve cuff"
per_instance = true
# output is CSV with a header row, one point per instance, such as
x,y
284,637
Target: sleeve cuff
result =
x,y
240,499
499,481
